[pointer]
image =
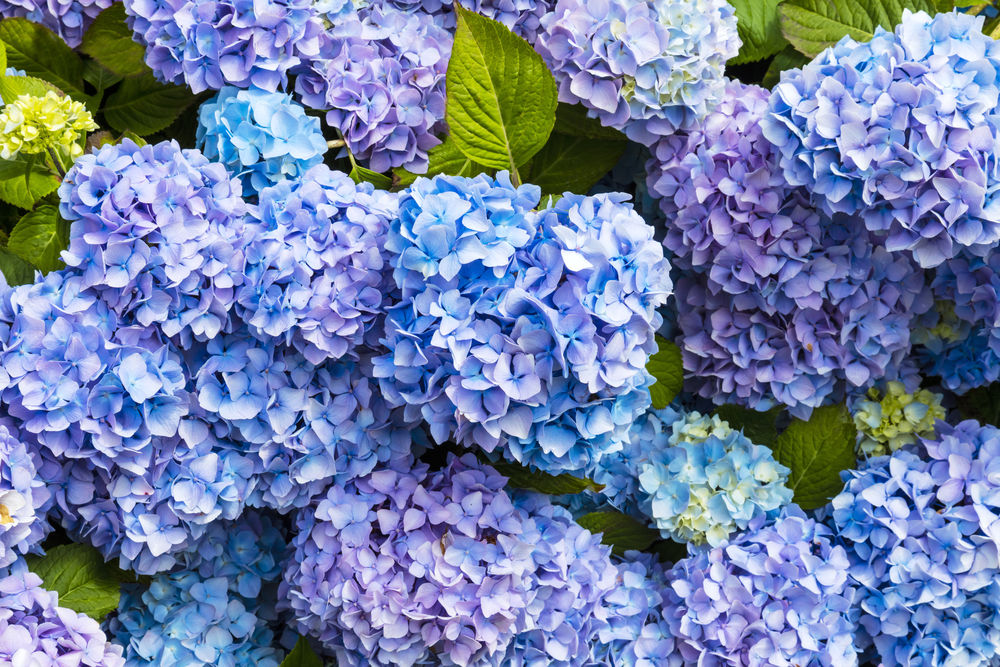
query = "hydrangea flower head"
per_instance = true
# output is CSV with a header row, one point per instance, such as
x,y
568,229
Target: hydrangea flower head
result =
x,y
22,497
891,419
208,44
648,68
32,125
778,594
37,631
522,17
155,231
316,276
903,130
920,528
380,78
261,137
708,481
67,18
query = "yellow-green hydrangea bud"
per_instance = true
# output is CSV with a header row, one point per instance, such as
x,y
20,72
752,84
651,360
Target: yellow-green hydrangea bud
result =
x,y
886,423
33,124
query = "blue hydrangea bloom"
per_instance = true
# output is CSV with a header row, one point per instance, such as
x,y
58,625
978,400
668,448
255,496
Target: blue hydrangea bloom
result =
x,y
902,130
217,610
648,68
208,44
523,17
261,137
67,18
316,277
921,528
779,594
518,328
23,497
37,631
380,77
779,302
155,232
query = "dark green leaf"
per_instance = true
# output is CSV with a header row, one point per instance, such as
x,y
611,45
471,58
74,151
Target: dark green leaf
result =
x,y
620,531
572,163
522,478
982,404
15,270
84,582
445,158
41,53
813,25
501,96
817,451
98,76
361,175
25,180
109,42
302,655
39,237
760,31
572,119
667,369
143,105
787,59
760,427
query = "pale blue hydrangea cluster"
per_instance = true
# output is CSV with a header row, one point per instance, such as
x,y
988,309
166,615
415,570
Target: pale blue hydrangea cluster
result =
x,y
779,302
902,130
217,610
779,594
67,18
35,630
380,77
521,328
648,68
262,137
23,497
921,530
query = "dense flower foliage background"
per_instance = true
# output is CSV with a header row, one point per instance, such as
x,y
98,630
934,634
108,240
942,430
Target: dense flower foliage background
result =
x,y
499,333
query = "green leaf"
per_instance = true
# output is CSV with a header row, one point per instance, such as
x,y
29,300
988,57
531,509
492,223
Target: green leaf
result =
x,y
360,175
3,57
760,427
620,531
817,451
15,270
813,25
109,42
41,53
759,29
667,369
572,163
39,237
144,105
572,119
12,87
445,158
982,404
98,76
24,180
521,477
787,59
84,582
302,655
501,96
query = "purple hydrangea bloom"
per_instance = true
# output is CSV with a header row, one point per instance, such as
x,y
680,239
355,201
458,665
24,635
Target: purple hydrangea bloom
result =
x,y
217,610
779,594
780,303
648,68
921,528
316,277
208,44
381,79
518,328
261,137
23,497
37,631
67,18
523,17
902,130
155,232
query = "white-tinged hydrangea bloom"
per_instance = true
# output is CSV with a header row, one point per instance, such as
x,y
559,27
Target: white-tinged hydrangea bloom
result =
x,y
887,420
646,67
